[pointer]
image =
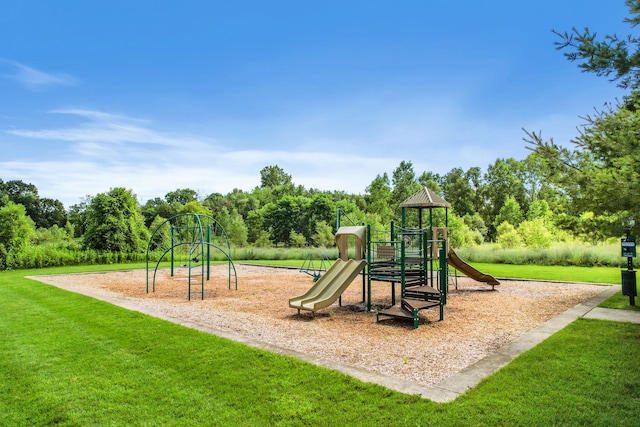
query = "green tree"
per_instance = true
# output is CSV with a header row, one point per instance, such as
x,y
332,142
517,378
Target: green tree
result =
x,y
474,177
44,212
350,209
535,234
215,202
236,228
160,236
324,236
540,209
458,192
502,179
477,225
53,236
50,212
320,209
254,224
4,196
432,181
16,230
286,215
507,236
78,216
115,223
157,207
404,185
460,235
600,173
274,176
379,197
297,240
509,212
609,56
242,202
21,193
194,207
181,196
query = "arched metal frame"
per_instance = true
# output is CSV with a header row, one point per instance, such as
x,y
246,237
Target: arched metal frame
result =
x,y
193,235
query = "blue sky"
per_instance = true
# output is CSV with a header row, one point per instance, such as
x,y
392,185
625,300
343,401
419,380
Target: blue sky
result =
x,y
159,95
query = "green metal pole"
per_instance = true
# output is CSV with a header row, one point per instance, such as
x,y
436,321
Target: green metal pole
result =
x,y
208,251
446,217
393,232
444,282
425,248
446,241
368,267
431,254
173,245
402,270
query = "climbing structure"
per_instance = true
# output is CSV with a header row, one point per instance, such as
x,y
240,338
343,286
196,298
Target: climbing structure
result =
x,y
187,241
413,257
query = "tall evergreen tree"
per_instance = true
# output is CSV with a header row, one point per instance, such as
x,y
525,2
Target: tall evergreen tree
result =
x,y
601,173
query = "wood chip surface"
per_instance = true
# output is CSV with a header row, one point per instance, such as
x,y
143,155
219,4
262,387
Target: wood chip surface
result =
x,y
477,320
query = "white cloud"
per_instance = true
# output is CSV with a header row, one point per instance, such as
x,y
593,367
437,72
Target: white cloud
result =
x,y
106,128
329,149
35,79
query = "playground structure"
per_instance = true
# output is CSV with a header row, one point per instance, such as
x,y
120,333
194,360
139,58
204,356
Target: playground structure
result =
x,y
188,240
414,258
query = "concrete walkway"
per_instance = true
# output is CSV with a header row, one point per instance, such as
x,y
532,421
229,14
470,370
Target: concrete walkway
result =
x,y
615,315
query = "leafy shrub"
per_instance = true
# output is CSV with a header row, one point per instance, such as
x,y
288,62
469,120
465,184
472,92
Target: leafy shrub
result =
x,y
535,233
508,237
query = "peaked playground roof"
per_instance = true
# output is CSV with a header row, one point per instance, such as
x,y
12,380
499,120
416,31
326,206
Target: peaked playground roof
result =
x,y
425,198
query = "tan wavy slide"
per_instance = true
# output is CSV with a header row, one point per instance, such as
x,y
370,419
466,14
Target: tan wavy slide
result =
x,y
330,285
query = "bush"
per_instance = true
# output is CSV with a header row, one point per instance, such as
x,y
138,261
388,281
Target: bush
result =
x,y
535,234
508,237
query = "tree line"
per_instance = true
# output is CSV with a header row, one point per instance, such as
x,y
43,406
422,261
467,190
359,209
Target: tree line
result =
x,y
280,213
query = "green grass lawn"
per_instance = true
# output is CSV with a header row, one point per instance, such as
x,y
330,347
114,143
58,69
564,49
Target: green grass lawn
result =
x,y
66,359
621,302
609,275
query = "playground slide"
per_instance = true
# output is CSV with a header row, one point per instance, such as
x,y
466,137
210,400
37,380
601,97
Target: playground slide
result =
x,y
330,286
459,264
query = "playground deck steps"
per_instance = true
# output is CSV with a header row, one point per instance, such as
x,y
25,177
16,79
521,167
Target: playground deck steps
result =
x,y
409,307
417,305
396,311
394,275
426,293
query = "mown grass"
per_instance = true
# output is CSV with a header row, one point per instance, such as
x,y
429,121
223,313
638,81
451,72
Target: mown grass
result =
x,y
610,275
621,302
70,360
